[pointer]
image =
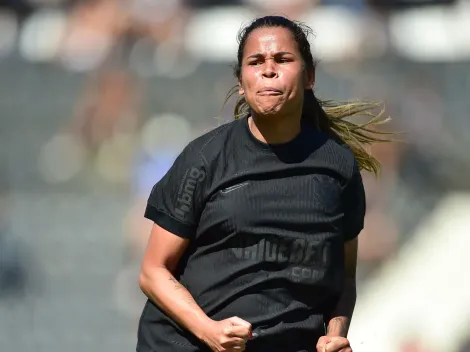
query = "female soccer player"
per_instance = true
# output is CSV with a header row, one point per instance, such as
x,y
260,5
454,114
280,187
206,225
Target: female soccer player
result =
x,y
255,229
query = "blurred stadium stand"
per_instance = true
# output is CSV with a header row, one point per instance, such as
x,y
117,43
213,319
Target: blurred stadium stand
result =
x,y
97,97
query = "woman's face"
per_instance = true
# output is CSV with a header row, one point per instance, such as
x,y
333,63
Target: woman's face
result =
x,y
273,77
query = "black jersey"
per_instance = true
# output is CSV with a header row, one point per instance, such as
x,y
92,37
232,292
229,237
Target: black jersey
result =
x,y
267,225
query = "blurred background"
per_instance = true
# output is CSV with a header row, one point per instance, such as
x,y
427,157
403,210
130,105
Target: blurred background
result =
x,y
97,97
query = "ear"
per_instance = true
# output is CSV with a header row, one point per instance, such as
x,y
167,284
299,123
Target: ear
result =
x,y
241,91
309,78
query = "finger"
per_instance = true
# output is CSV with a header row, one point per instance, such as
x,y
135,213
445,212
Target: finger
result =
x,y
331,348
235,342
240,322
337,344
240,331
227,330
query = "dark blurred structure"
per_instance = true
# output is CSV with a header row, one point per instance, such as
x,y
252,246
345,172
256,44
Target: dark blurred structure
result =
x,y
15,265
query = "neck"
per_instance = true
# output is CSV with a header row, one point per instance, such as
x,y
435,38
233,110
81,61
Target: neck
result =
x,y
274,131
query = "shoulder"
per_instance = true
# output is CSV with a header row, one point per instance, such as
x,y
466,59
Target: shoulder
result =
x,y
208,145
340,156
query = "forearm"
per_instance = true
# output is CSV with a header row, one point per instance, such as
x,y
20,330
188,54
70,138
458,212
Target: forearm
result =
x,y
161,287
339,320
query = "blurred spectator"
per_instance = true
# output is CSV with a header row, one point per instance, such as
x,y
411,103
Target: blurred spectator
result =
x,y
161,20
109,105
92,31
96,28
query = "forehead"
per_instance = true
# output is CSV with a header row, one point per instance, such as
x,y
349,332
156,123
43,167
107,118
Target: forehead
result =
x,y
270,39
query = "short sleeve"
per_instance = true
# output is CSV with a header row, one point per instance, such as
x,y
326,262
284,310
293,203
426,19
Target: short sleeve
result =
x,y
176,201
354,206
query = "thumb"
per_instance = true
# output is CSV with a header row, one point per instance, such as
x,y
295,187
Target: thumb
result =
x,y
239,322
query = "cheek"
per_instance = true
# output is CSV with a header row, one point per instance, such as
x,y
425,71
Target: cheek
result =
x,y
252,72
292,77
252,77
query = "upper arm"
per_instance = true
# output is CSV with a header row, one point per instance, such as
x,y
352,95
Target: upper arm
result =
x,y
164,249
354,213
350,258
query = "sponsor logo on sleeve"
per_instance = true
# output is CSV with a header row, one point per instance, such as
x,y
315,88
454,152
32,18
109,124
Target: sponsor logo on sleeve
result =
x,y
185,198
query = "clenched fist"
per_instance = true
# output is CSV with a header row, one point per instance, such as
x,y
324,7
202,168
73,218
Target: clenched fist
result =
x,y
333,344
229,335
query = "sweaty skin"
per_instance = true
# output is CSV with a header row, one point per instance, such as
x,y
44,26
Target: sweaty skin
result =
x,y
273,80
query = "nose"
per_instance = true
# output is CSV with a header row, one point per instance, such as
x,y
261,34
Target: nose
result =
x,y
269,69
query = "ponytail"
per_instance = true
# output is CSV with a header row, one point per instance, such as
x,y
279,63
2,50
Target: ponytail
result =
x,y
331,116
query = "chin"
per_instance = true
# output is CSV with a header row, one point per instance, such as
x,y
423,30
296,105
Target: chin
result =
x,y
269,111
269,107
269,114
